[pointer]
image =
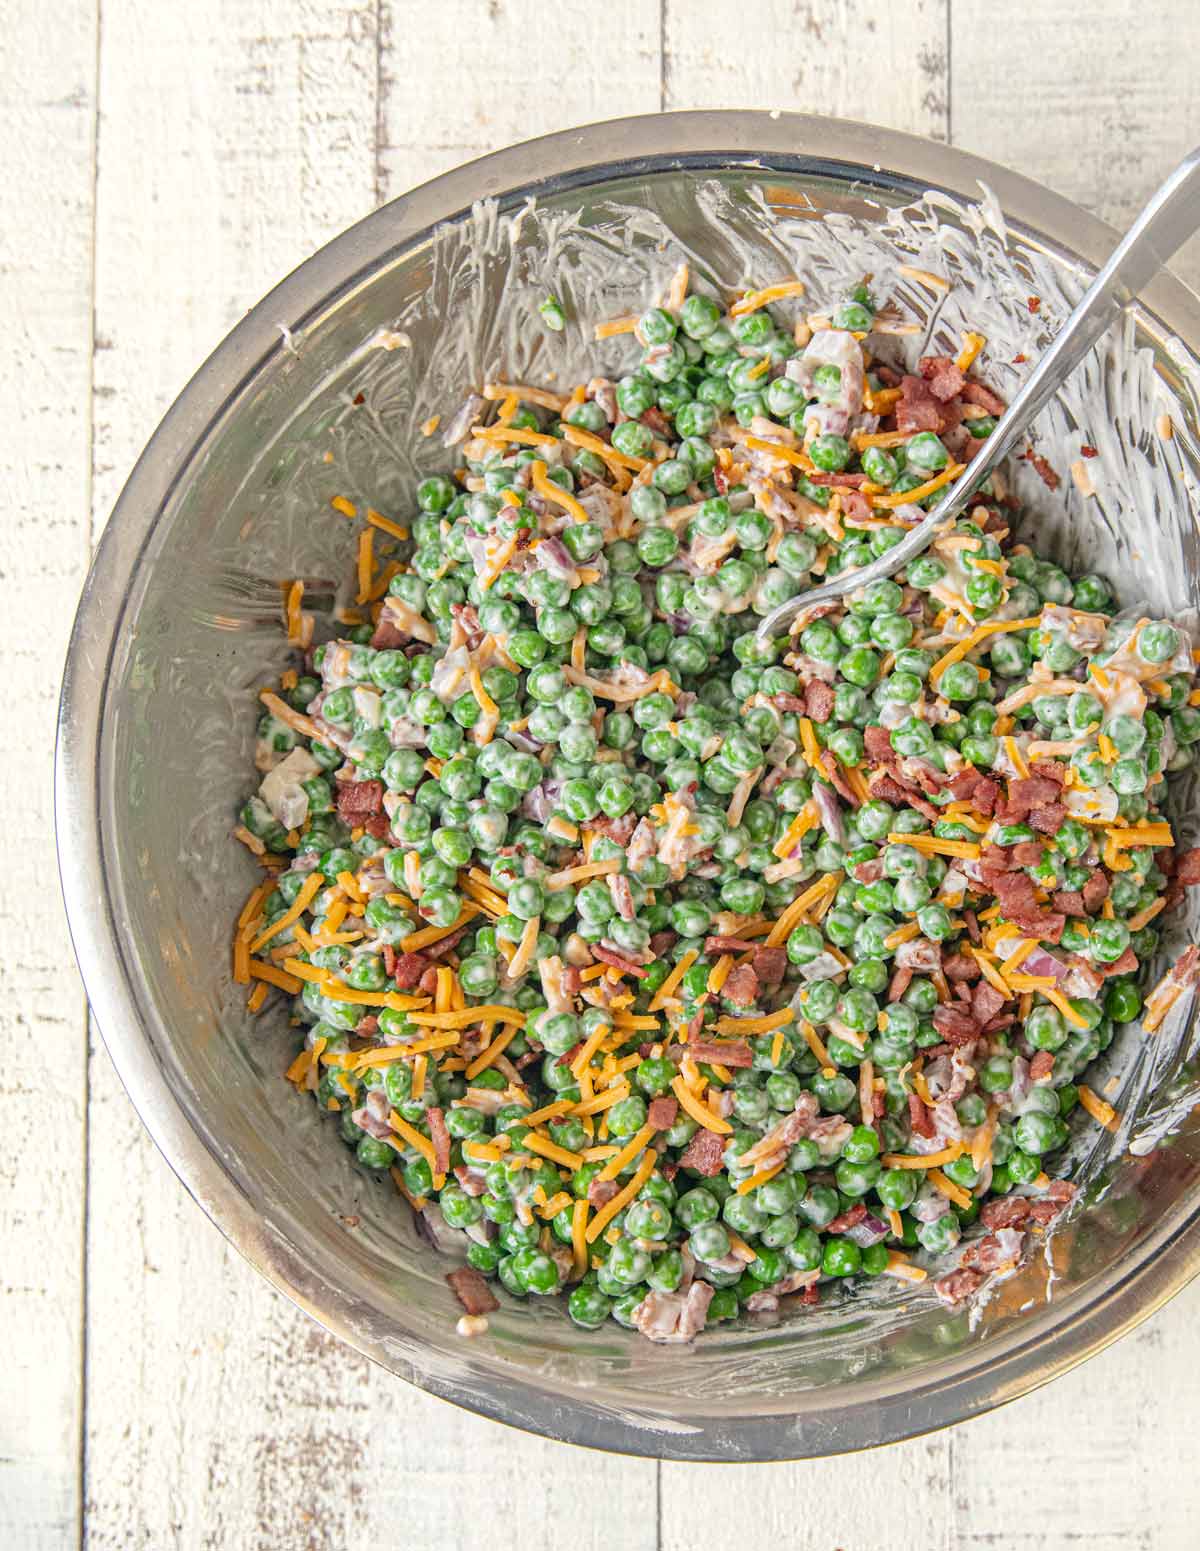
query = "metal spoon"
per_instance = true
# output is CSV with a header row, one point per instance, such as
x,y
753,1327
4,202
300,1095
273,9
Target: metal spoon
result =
x,y
1167,220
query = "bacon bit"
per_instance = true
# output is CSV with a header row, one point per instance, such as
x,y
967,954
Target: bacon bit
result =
x,y
847,1219
741,986
734,1052
662,1113
1088,451
441,1143
626,966
1034,304
1045,472
705,1153
469,1287
918,1116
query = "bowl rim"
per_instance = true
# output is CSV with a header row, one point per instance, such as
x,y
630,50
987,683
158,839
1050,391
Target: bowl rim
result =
x,y
1160,1266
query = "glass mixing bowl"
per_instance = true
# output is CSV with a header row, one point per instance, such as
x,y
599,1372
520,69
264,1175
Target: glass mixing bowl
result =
x,y
321,391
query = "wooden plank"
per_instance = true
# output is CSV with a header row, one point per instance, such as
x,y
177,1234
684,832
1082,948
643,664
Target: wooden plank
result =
x,y
1081,103
459,80
884,63
897,1497
47,117
233,140
1104,1456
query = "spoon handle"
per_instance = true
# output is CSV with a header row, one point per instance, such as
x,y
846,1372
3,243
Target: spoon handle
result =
x,y
1168,219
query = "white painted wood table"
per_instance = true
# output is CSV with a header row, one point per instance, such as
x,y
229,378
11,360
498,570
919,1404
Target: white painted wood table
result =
x,y
164,163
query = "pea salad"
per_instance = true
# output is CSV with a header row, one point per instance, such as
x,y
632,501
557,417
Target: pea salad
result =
x,y
681,973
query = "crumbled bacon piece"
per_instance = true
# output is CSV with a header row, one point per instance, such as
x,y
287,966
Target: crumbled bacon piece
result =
x,y
1087,451
818,699
954,1025
388,635
705,1153
662,1113
958,1286
601,1191
358,800
976,393
472,1291
1095,890
440,1138
1041,1065
1069,901
1005,1211
770,965
409,969
621,830
944,377
1187,867
918,1116
1059,1193
961,967
741,986
627,966
1049,818
837,777
728,945
850,1218
899,984
917,409
1127,964
1042,467
878,741
986,1002
988,1254
732,1052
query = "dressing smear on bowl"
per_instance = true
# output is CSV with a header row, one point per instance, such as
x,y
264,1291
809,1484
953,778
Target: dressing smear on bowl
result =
x,y
681,975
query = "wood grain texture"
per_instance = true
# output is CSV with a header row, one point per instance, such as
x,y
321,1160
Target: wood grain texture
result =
x,y
881,1501
1098,107
45,371
232,141
457,80
1103,1458
886,63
